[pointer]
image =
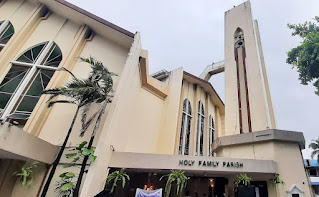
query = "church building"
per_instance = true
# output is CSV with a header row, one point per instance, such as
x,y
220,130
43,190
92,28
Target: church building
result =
x,y
169,120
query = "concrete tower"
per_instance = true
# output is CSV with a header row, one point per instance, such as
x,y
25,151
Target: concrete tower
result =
x,y
248,101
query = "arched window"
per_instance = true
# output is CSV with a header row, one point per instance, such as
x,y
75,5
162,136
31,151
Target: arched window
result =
x,y
6,32
200,129
184,137
211,135
29,75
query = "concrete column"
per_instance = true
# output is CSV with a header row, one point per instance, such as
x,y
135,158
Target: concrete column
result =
x,y
95,179
245,76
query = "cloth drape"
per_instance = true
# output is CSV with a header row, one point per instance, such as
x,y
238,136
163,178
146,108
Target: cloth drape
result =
x,y
148,193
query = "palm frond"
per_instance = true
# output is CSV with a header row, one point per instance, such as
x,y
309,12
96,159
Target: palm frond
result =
x,y
314,152
66,70
86,124
314,145
51,103
99,118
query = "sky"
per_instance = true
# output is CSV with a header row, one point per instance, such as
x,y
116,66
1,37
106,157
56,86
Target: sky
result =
x,y
190,34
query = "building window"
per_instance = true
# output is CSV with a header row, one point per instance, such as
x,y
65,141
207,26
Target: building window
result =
x,y
28,76
6,32
211,135
200,129
184,137
313,172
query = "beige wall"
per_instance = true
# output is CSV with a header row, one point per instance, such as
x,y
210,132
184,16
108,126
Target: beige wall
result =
x,y
195,93
291,167
287,155
113,57
67,35
30,29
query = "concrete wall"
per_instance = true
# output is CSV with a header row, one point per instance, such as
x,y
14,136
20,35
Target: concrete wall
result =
x,y
291,167
195,93
287,155
260,104
31,29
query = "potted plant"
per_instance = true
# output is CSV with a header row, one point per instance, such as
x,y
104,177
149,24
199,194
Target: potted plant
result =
x,y
116,178
242,184
276,181
26,173
176,179
242,179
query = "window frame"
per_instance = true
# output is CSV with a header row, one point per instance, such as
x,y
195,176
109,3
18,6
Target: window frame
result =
x,y
211,133
21,90
200,129
3,28
186,117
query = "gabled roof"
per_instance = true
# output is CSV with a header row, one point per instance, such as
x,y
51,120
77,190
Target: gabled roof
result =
x,y
97,24
94,17
207,87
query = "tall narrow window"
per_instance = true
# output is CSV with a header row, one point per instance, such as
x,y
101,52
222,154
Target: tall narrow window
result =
x,y
6,32
29,75
200,129
211,135
184,137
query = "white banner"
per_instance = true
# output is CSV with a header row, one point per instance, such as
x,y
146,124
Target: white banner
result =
x,y
148,193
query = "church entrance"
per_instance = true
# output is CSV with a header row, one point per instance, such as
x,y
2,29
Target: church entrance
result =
x,y
255,189
207,187
197,186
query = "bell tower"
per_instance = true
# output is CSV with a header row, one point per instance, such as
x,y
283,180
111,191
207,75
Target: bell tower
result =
x,y
248,105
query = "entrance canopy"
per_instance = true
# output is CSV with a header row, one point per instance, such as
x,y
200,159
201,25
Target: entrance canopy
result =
x,y
216,165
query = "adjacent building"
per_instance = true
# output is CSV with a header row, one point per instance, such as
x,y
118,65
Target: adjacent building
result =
x,y
155,123
312,167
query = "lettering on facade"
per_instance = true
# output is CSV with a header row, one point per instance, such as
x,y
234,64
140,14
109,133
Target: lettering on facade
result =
x,y
214,164
186,162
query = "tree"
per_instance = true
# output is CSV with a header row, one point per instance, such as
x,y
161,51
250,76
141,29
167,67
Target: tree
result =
x,y
103,78
116,177
314,145
80,92
305,57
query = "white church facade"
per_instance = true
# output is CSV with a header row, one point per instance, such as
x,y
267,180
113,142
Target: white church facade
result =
x,y
170,120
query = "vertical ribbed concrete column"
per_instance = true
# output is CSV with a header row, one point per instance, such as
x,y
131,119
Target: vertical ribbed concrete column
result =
x,y
247,102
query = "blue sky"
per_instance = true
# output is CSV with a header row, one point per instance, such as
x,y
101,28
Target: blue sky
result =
x,y
190,34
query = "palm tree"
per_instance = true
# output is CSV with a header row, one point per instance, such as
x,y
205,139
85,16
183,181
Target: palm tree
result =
x,y
116,177
80,92
315,146
103,78
180,179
